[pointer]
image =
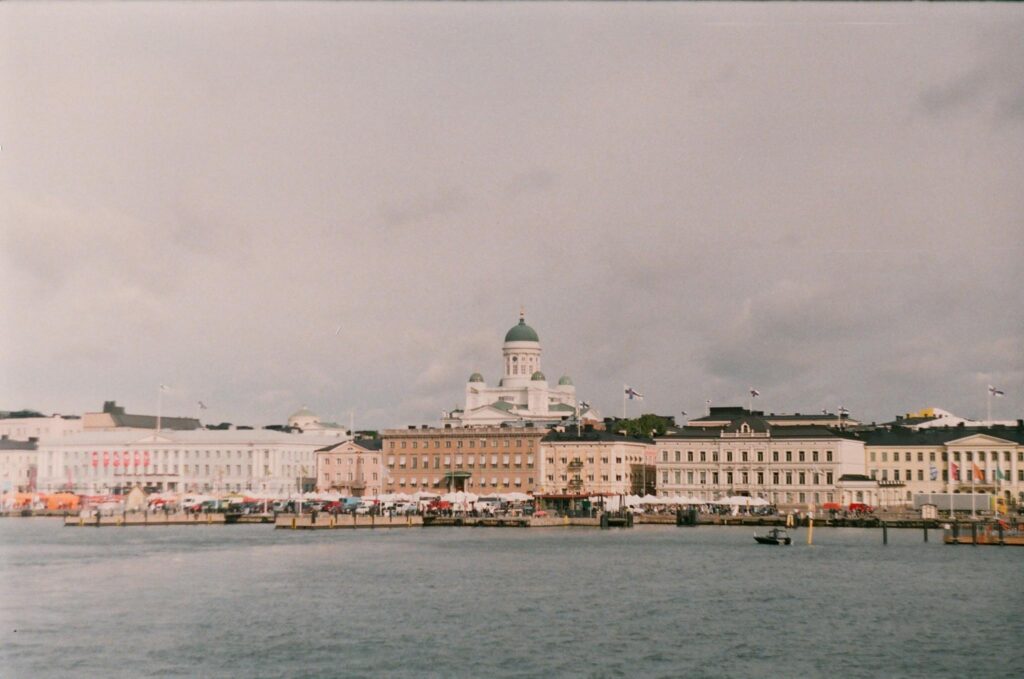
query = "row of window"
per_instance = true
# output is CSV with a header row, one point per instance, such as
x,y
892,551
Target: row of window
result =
x,y
471,461
908,475
745,456
743,478
968,456
459,443
481,483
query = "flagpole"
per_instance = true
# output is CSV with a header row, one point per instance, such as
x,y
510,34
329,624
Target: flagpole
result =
x,y
624,388
989,403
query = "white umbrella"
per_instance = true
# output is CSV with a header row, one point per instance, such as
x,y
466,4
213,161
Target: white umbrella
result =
x,y
515,497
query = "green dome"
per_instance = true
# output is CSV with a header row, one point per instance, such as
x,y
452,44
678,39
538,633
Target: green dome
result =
x,y
565,381
538,377
521,333
476,377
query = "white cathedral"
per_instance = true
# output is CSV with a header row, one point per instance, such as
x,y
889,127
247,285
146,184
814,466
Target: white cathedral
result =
x,y
523,394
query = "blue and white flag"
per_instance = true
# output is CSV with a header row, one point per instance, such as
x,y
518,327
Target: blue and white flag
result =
x,y
843,411
933,473
996,392
633,394
754,393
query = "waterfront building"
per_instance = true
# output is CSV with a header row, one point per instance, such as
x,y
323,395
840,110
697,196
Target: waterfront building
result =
x,y
906,462
305,421
790,466
24,424
934,418
352,468
522,394
723,416
113,417
596,462
184,460
18,464
481,460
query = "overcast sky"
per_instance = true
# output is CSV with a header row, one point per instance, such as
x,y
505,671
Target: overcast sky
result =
x,y
822,202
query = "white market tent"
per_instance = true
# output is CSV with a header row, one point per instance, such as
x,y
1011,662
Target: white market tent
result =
x,y
741,501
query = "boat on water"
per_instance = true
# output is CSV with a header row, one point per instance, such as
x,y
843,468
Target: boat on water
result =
x,y
776,536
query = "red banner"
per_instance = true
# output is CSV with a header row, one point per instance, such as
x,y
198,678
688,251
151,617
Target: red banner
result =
x,y
145,458
106,458
117,459
138,458
95,458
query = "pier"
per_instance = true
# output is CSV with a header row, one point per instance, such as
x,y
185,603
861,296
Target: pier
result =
x,y
346,521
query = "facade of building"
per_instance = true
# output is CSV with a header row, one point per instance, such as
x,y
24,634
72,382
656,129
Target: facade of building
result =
x,y
480,460
114,417
307,422
18,464
522,394
352,468
723,416
24,428
595,463
183,461
906,462
790,466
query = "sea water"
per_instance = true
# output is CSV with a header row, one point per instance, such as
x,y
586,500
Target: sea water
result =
x,y
651,601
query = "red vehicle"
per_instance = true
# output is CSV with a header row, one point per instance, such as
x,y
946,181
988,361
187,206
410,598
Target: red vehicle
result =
x,y
861,508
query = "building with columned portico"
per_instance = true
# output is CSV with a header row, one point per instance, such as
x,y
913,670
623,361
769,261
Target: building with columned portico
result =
x,y
523,393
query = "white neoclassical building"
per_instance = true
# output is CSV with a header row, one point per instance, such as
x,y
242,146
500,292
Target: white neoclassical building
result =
x,y
522,394
191,461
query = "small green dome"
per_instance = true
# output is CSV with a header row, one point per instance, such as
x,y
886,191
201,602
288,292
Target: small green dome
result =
x,y
565,381
476,377
538,377
521,333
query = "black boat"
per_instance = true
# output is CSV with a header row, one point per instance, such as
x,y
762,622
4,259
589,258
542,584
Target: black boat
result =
x,y
776,536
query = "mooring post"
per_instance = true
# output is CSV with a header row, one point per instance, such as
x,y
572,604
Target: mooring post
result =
x,y
974,533
810,531
885,533
926,532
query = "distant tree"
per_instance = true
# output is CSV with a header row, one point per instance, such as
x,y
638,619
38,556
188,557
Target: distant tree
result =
x,y
646,425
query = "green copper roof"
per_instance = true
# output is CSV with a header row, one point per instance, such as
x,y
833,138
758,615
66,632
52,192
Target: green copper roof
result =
x,y
565,381
476,377
537,376
521,333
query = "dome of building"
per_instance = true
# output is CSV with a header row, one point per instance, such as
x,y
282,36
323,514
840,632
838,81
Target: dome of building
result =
x,y
521,332
303,412
565,381
538,377
476,377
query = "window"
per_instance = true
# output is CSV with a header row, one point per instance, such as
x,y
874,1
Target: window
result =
x,y
728,478
968,456
775,456
789,478
664,477
760,456
689,477
728,456
689,456
714,456
678,477
789,456
677,456
664,456
895,474
803,478
920,475
802,456
828,479
885,456
920,456
745,456
703,456
872,456
814,456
